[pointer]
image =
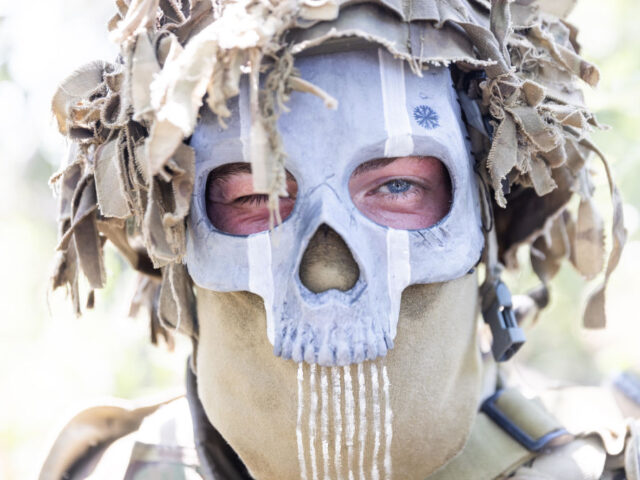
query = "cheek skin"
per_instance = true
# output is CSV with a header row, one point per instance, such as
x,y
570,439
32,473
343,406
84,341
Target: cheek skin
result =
x,y
245,220
237,221
422,218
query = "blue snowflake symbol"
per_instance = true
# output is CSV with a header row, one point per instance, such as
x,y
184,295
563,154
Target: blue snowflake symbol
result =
x,y
426,117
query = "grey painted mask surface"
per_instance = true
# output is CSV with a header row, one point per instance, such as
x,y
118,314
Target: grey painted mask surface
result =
x,y
384,111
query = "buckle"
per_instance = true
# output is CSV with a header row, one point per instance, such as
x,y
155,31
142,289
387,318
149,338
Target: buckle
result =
x,y
497,311
490,408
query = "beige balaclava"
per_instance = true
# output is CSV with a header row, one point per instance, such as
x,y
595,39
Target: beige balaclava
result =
x,y
130,177
399,412
401,416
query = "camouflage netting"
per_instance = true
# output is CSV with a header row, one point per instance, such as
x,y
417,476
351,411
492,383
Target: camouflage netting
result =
x,y
130,173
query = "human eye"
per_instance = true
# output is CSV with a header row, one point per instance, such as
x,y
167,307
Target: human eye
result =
x,y
252,200
404,192
234,207
396,187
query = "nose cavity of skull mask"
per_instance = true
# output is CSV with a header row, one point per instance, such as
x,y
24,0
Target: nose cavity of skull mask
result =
x,y
385,111
331,325
327,263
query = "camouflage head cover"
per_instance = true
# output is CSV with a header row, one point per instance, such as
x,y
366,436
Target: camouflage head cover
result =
x,y
130,174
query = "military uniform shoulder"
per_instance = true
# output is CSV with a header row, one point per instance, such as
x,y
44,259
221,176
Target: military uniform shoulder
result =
x,y
101,441
575,433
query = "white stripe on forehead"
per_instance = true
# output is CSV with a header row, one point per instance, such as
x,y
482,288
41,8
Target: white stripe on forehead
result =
x,y
245,119
384,110
396,119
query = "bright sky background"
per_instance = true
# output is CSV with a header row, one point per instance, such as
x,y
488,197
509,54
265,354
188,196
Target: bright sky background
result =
x,y
52,364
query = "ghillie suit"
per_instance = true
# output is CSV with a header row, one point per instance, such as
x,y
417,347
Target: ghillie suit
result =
x,y
129,176
131,172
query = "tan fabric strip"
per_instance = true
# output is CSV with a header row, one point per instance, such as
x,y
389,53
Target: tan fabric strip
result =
x,y
93,426
528,415
489,453
419,42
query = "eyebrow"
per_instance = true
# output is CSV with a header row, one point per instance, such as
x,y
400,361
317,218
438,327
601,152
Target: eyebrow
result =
x,y
223,172
373,165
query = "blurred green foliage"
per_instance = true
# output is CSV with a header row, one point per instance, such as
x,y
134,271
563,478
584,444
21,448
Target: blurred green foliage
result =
x,y
557,345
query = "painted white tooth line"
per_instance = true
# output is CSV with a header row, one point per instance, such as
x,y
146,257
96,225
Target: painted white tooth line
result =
x,y
337,420
350,417
398,272
377,427
324,419
312,420
301,458
261,275
388,428
362,424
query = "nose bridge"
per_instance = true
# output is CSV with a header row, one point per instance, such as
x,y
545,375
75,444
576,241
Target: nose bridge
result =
x,y
326,190
327,206
327,262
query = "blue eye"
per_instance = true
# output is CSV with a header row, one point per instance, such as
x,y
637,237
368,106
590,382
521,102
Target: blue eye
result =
x,y
398,186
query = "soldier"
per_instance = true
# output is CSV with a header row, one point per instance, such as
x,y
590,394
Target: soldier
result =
x,y
309,190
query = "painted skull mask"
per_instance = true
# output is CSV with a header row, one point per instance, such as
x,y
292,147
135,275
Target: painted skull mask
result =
x,y
385,111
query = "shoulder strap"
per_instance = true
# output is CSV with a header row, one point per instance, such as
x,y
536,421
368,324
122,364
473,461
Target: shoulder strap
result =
x,y
508,431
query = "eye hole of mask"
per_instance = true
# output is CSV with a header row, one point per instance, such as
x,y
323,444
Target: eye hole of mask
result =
x,y
234,207
407,193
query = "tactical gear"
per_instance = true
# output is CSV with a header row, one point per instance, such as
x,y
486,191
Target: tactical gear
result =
x,y
493,451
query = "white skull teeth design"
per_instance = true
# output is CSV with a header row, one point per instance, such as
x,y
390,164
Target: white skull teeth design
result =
x,y
337,340
382,113
338,333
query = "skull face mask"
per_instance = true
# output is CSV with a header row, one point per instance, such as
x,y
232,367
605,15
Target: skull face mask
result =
x,y
384,112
